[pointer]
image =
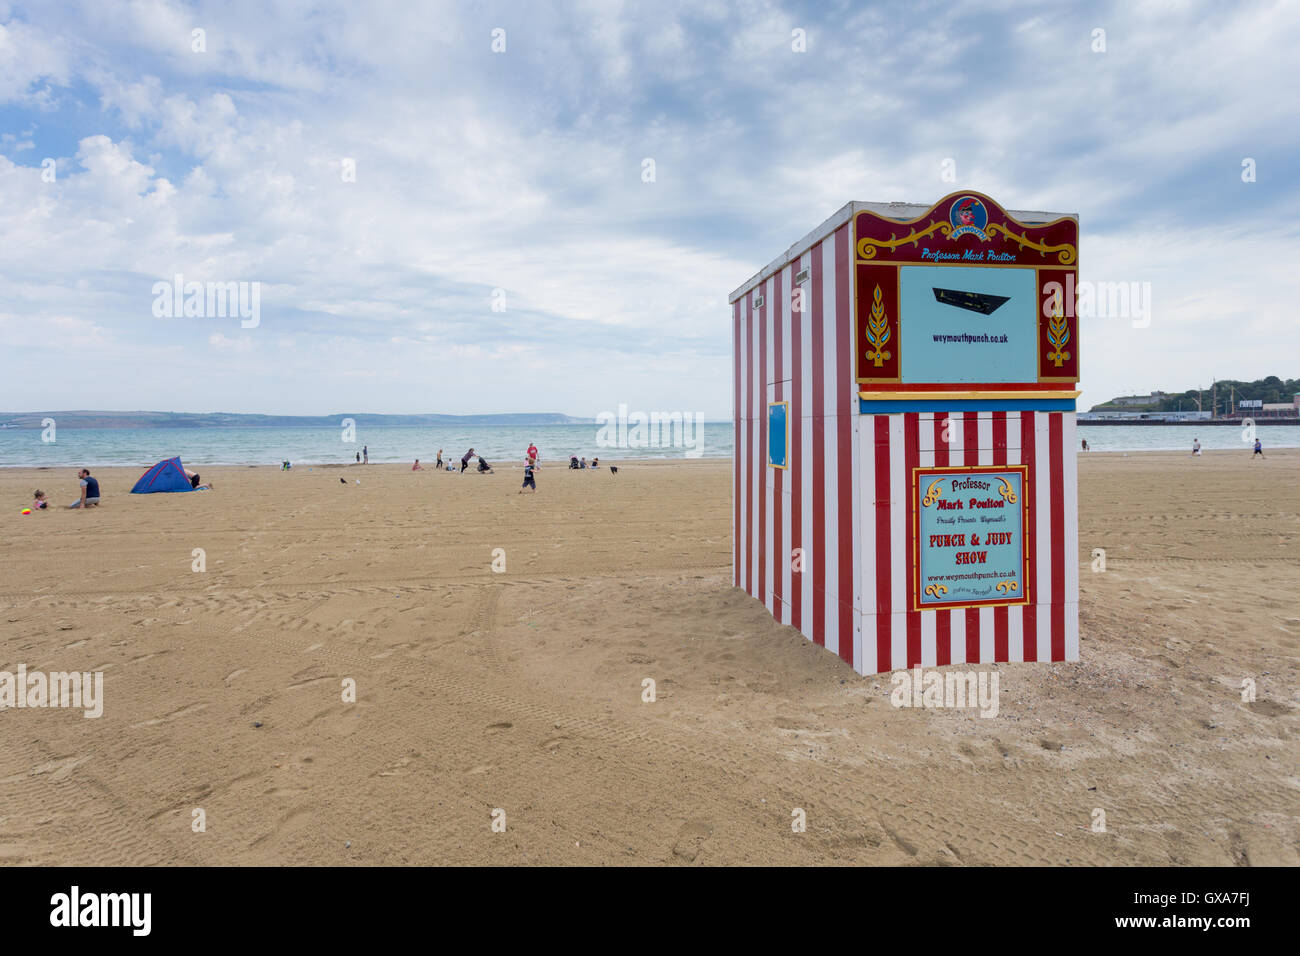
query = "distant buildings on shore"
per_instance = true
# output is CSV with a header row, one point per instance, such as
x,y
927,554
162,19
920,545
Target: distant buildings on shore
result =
x,y
1121,411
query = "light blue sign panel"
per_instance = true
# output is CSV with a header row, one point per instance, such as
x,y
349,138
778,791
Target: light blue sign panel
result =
x,y
970,537
957,328
777,434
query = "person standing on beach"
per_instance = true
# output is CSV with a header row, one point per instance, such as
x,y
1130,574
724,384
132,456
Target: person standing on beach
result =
x,y
1196,446
464,462
89,490
532,452
365,452
1259,450
439,464
529,481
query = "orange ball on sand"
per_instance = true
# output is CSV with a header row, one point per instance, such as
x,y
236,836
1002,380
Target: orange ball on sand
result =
x,y
27,511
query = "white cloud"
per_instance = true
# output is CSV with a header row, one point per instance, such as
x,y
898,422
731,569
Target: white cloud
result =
x,y
521,171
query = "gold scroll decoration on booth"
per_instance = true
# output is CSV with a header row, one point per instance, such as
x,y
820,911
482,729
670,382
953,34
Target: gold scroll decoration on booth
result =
x,y
867,246
1066,253
933,493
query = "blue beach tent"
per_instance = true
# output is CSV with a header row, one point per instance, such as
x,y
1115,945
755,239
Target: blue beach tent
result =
x,y
167,475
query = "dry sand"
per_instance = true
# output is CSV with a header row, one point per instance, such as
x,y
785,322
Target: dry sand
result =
x,y
522,690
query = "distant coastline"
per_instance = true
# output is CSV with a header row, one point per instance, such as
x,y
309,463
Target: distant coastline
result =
x,y
144,419
1198,422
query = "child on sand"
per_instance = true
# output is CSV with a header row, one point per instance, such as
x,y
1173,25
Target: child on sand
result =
x,y
1196,446
417,466
529,481
40,501
1259,450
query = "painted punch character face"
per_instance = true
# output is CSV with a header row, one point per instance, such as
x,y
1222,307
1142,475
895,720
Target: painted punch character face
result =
x,y
968,216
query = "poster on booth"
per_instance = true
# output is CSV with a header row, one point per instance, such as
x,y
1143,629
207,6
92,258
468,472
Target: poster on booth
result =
x,y
970,536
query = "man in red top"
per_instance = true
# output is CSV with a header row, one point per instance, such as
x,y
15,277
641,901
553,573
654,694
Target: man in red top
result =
x,y
532,451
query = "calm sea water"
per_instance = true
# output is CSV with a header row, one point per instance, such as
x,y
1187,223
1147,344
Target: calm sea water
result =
x,y
313,446
317,446
1180,437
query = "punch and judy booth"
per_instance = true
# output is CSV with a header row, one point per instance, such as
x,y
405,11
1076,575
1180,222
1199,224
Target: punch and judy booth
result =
x,y
904,488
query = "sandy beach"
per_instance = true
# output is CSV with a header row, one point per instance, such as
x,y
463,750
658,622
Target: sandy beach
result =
x,y
521,690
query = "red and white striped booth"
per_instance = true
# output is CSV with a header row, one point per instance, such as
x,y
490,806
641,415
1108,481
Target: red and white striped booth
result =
x,y
904,487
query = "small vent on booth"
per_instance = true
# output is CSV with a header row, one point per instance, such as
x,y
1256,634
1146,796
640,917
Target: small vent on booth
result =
x,y
801,277
758,301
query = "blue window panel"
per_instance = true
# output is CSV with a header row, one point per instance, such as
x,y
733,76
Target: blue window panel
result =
x,y
778,432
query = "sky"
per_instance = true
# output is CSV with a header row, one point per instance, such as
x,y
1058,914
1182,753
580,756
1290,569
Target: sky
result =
x,y
436,225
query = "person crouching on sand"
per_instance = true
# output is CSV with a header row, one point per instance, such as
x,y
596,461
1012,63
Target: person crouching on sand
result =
x,y
483,466
89,490
1196,446
39,503
529,481
417,466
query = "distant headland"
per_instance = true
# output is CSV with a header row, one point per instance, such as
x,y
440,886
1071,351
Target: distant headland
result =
x,y
139,419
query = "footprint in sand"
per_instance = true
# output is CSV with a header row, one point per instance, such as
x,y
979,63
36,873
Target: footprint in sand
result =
x,y
309,682
174,715
691,839
1269,708
284,791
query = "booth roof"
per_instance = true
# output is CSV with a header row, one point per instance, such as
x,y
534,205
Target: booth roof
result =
x,y
901,211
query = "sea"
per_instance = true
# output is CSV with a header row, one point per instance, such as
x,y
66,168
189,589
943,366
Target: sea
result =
x,y
91,447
